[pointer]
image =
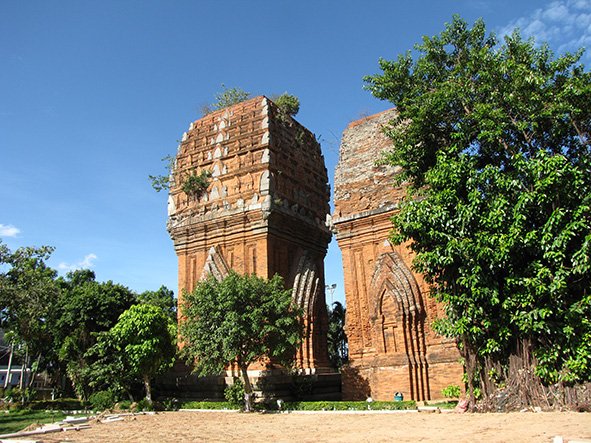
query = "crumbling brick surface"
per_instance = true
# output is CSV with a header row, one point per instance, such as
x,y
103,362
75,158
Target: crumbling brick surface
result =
x,y
264,211
391,345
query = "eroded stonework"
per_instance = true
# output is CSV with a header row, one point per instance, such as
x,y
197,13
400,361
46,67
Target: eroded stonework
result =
x,y
264,212
391,346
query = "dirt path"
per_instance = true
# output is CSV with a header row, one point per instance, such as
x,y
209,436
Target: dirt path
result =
x,y
331,427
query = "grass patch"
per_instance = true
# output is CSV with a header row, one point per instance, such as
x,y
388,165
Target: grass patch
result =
x,y
15,421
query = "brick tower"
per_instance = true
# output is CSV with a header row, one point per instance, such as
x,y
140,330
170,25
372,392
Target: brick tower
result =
x,y
391,346
264,211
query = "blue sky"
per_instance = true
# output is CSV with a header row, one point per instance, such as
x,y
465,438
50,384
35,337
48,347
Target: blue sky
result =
x,y
94,94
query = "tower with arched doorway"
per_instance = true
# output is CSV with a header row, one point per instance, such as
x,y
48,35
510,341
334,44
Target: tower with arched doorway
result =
x,y
264,210
391,345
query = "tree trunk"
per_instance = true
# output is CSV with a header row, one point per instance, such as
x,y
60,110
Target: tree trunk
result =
x,y
23,367
148,388
248,397
470,366
7,381
34,371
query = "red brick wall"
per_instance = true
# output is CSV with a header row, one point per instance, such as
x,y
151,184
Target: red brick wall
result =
x,y
264,211
391,345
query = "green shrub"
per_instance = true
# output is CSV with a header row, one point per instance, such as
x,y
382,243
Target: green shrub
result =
x,y
288,103
60,404
102,400
312,405
234,393
451,391
123,405
12,394
209,405
171,404
349,405
144,405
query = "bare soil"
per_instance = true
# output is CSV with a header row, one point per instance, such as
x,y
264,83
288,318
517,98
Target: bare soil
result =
x,y
185,426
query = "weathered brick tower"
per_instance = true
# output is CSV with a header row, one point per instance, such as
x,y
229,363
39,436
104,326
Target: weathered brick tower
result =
x,y
391,346
264,210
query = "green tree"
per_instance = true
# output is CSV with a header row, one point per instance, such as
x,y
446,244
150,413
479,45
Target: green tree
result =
x,y
28,294
163,298
105,371
84,309
338,351
146,338
493,139
241,319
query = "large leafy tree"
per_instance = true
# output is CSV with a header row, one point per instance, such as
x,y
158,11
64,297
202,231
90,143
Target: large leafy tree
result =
x,y
85,308
163,298
240,319
146,338
28,294
493,138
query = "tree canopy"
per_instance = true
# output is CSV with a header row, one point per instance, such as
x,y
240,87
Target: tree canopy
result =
x,y
163,298
63,324
146,338
85,308
240,319
493,138
28,295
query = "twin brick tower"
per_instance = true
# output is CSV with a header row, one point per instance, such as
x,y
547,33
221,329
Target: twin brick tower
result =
x,y
266,211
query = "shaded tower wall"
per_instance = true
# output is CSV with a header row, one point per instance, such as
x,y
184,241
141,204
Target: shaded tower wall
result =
x,y
264,211
391,345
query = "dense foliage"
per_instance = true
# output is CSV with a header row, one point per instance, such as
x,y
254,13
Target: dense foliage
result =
x,y
28,295
240,319
85,308
63,325
146,338
493,138
163,298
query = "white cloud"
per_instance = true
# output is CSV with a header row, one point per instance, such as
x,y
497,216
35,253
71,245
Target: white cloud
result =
x,y
564,24
9,231
86,263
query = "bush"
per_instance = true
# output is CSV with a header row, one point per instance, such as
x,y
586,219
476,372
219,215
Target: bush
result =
x,y
144,405
60,404
288,103
209,405
349,405
451,391
102,400
170,404
234,393
124,405
12,394
312,405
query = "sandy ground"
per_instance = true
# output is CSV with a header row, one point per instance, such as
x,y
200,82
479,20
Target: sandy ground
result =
x,y
334,427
